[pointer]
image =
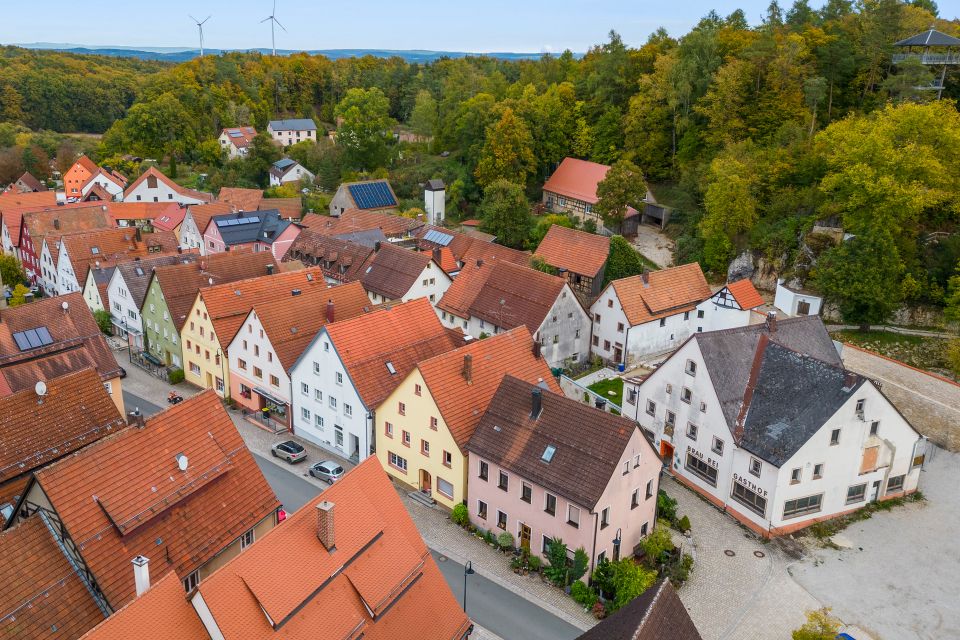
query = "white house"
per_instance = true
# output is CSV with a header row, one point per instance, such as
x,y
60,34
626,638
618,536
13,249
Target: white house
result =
x,y
47,275
236,141
353,365
126,290
766,423
286,170
153,186
489,297
195,223
292,131
401,274
110,181
796,302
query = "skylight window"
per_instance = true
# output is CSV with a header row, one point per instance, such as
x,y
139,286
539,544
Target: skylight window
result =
x,y
391,369
548,453
95,250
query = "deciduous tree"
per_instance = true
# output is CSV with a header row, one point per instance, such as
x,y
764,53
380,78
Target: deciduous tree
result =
x,y
506,213
621,188
507,153
366,127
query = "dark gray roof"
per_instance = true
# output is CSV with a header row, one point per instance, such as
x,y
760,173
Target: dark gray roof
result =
x,y
791,398
136,273
102,275
248,226
929,38
368,238
729,354
657,614
293,124
435,185
581,466
283,163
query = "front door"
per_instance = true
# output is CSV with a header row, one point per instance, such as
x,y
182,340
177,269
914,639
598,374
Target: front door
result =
x,y
209,380
425,482
803,308
875,492
617,354
524,537
666,452
354,447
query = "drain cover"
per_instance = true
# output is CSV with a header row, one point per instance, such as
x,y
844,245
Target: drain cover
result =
x,y
729,552
441,558
760,554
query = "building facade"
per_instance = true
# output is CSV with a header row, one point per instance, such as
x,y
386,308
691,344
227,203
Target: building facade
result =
x,y
291,131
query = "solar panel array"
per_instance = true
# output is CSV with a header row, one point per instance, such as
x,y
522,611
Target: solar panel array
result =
x,y
32,338
232,222
235,134
372,195
438,237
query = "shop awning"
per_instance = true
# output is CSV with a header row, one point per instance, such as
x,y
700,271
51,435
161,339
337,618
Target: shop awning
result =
x,y
263,393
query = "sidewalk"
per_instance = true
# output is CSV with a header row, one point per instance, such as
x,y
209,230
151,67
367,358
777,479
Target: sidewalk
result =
x,y
143,385
447,538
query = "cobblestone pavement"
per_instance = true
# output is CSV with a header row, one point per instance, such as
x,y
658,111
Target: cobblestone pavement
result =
x,y
447,538
143,385
930,403
748,594
898,579
479,633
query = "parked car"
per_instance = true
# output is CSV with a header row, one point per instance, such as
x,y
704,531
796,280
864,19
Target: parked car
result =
x,y
289,450
327,470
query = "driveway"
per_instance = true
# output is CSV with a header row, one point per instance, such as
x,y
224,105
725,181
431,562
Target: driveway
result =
x,y
898,580
654,245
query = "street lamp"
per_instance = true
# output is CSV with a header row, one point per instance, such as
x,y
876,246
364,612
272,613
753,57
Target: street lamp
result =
x,y
223,375
616,545
467,571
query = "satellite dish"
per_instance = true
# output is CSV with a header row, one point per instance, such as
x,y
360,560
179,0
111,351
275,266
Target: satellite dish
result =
x,y
40,388
65,305
210,280
182,462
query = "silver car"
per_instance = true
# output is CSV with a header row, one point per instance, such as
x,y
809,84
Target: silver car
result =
x,y
327,470
290,451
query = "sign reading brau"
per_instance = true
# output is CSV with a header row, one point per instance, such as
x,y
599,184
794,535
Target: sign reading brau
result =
x,y
710,461
750,485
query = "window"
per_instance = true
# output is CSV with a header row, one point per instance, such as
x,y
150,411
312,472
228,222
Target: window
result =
x,y
671,418
218,382
246,539
347,410
703,407
332,401
663,322
755,467
305,413
504,481
619,327
573,516
635,499
402,409
447,459
860,406
835,437
605,518
405,438
636,461
326,346
545,545
691,431
319,420
643,529
274,381
191,581
669,388
626,467
651,407
417,389
316,365
445,488
750,499
318,395
686,395
482,509
434,423
596,341
194,369
686,315
484,471
717,446
256,350
895,484
526,492
397,462
632,396
305,388
550,504
388,429
338,435
425,448
606,345
701,469
856,493
874,427
802,506
818,471
795,476
502,520
699,313
691,368
258,373
649,493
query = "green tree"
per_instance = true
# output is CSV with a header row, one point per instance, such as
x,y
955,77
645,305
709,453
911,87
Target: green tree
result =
x,y
366,127
261,156
104,321
556,569
11,271
951,302
730,206
505,213
624,261
622,187
579,567
820,625
19,295
423,118
608,136
507,153
629,581
545,222
861,276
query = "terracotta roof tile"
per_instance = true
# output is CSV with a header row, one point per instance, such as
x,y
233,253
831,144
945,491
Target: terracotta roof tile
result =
x,y
341,260
492,252
242,199
240,137
669,291
462,403
289,208
162,613
201,213
41,597
112,245
657,614
393,226
141,210
380,564
125,495
75,411
57,221
184,191
393,271
290,330
745,294
31,182
137,273
581,468
402,335
170,220
577,179
576,251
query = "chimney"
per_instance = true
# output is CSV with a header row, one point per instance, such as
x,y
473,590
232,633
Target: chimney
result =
x,y
330,311
269,269
376,247
536,402
771,321
645,276
136,234
56,223
468,368
141,574
849,380
325,529
479,262
536,349
436,255
135,418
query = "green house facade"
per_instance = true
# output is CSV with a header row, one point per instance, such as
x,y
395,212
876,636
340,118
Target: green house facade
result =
x,y
161,337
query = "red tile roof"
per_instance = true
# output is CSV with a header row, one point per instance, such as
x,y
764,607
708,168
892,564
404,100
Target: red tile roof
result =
x,y
242,138
201,213
142,210
170,219
125,495
669,291
184,191
112,246
289,208
380,579
745,294
402,335
462,402
341,260
393,271
574,250
242,199
393,226
577,179
41,596
75,411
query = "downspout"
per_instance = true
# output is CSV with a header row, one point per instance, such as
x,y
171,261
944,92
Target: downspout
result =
x,y
626,350
593,551
371,422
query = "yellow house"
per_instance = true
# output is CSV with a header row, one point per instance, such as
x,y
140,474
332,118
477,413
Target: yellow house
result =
x,y
423,427
218,313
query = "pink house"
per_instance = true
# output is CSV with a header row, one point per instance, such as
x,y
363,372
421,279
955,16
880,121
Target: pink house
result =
x,y
250,231
543,466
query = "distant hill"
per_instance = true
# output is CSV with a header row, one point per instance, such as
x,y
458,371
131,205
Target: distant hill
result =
x,y
173,54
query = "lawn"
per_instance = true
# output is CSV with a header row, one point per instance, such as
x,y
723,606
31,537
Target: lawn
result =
x,y
917,351
603,388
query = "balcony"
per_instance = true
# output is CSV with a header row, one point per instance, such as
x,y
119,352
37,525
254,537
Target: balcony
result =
x,y
928,58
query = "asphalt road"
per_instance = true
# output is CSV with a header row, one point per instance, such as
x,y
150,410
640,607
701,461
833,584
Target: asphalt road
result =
x,y
132,402
293,492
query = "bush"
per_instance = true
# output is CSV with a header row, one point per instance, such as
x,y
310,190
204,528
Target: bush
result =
x,y
629,581
534,563
505,540
602,578
557,561
656,545
580,562
583,595
680,570
666,507
684,524
175,376
488,537
104,321
820,625
459,515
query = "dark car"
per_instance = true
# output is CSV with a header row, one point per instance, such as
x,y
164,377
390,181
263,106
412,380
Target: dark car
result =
x,y
289,450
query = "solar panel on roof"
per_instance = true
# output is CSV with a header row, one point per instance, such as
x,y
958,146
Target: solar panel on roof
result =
x,y
372,195
22,343
32,338
438,237
235,134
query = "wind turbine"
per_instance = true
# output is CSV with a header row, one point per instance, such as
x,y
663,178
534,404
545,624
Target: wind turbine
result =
x,y
273,21
200,27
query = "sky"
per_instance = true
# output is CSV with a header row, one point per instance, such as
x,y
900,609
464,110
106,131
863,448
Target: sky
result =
x,y
447,25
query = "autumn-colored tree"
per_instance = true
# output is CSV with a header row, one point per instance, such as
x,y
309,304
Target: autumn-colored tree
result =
x,y
423,118
507,153
621,188
730,205
18,296
820,625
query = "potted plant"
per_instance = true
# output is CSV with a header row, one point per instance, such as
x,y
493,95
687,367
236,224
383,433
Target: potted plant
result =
x,y
534,563
599,611
515,564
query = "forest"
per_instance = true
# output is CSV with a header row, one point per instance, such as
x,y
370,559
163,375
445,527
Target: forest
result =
x,y
753,134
